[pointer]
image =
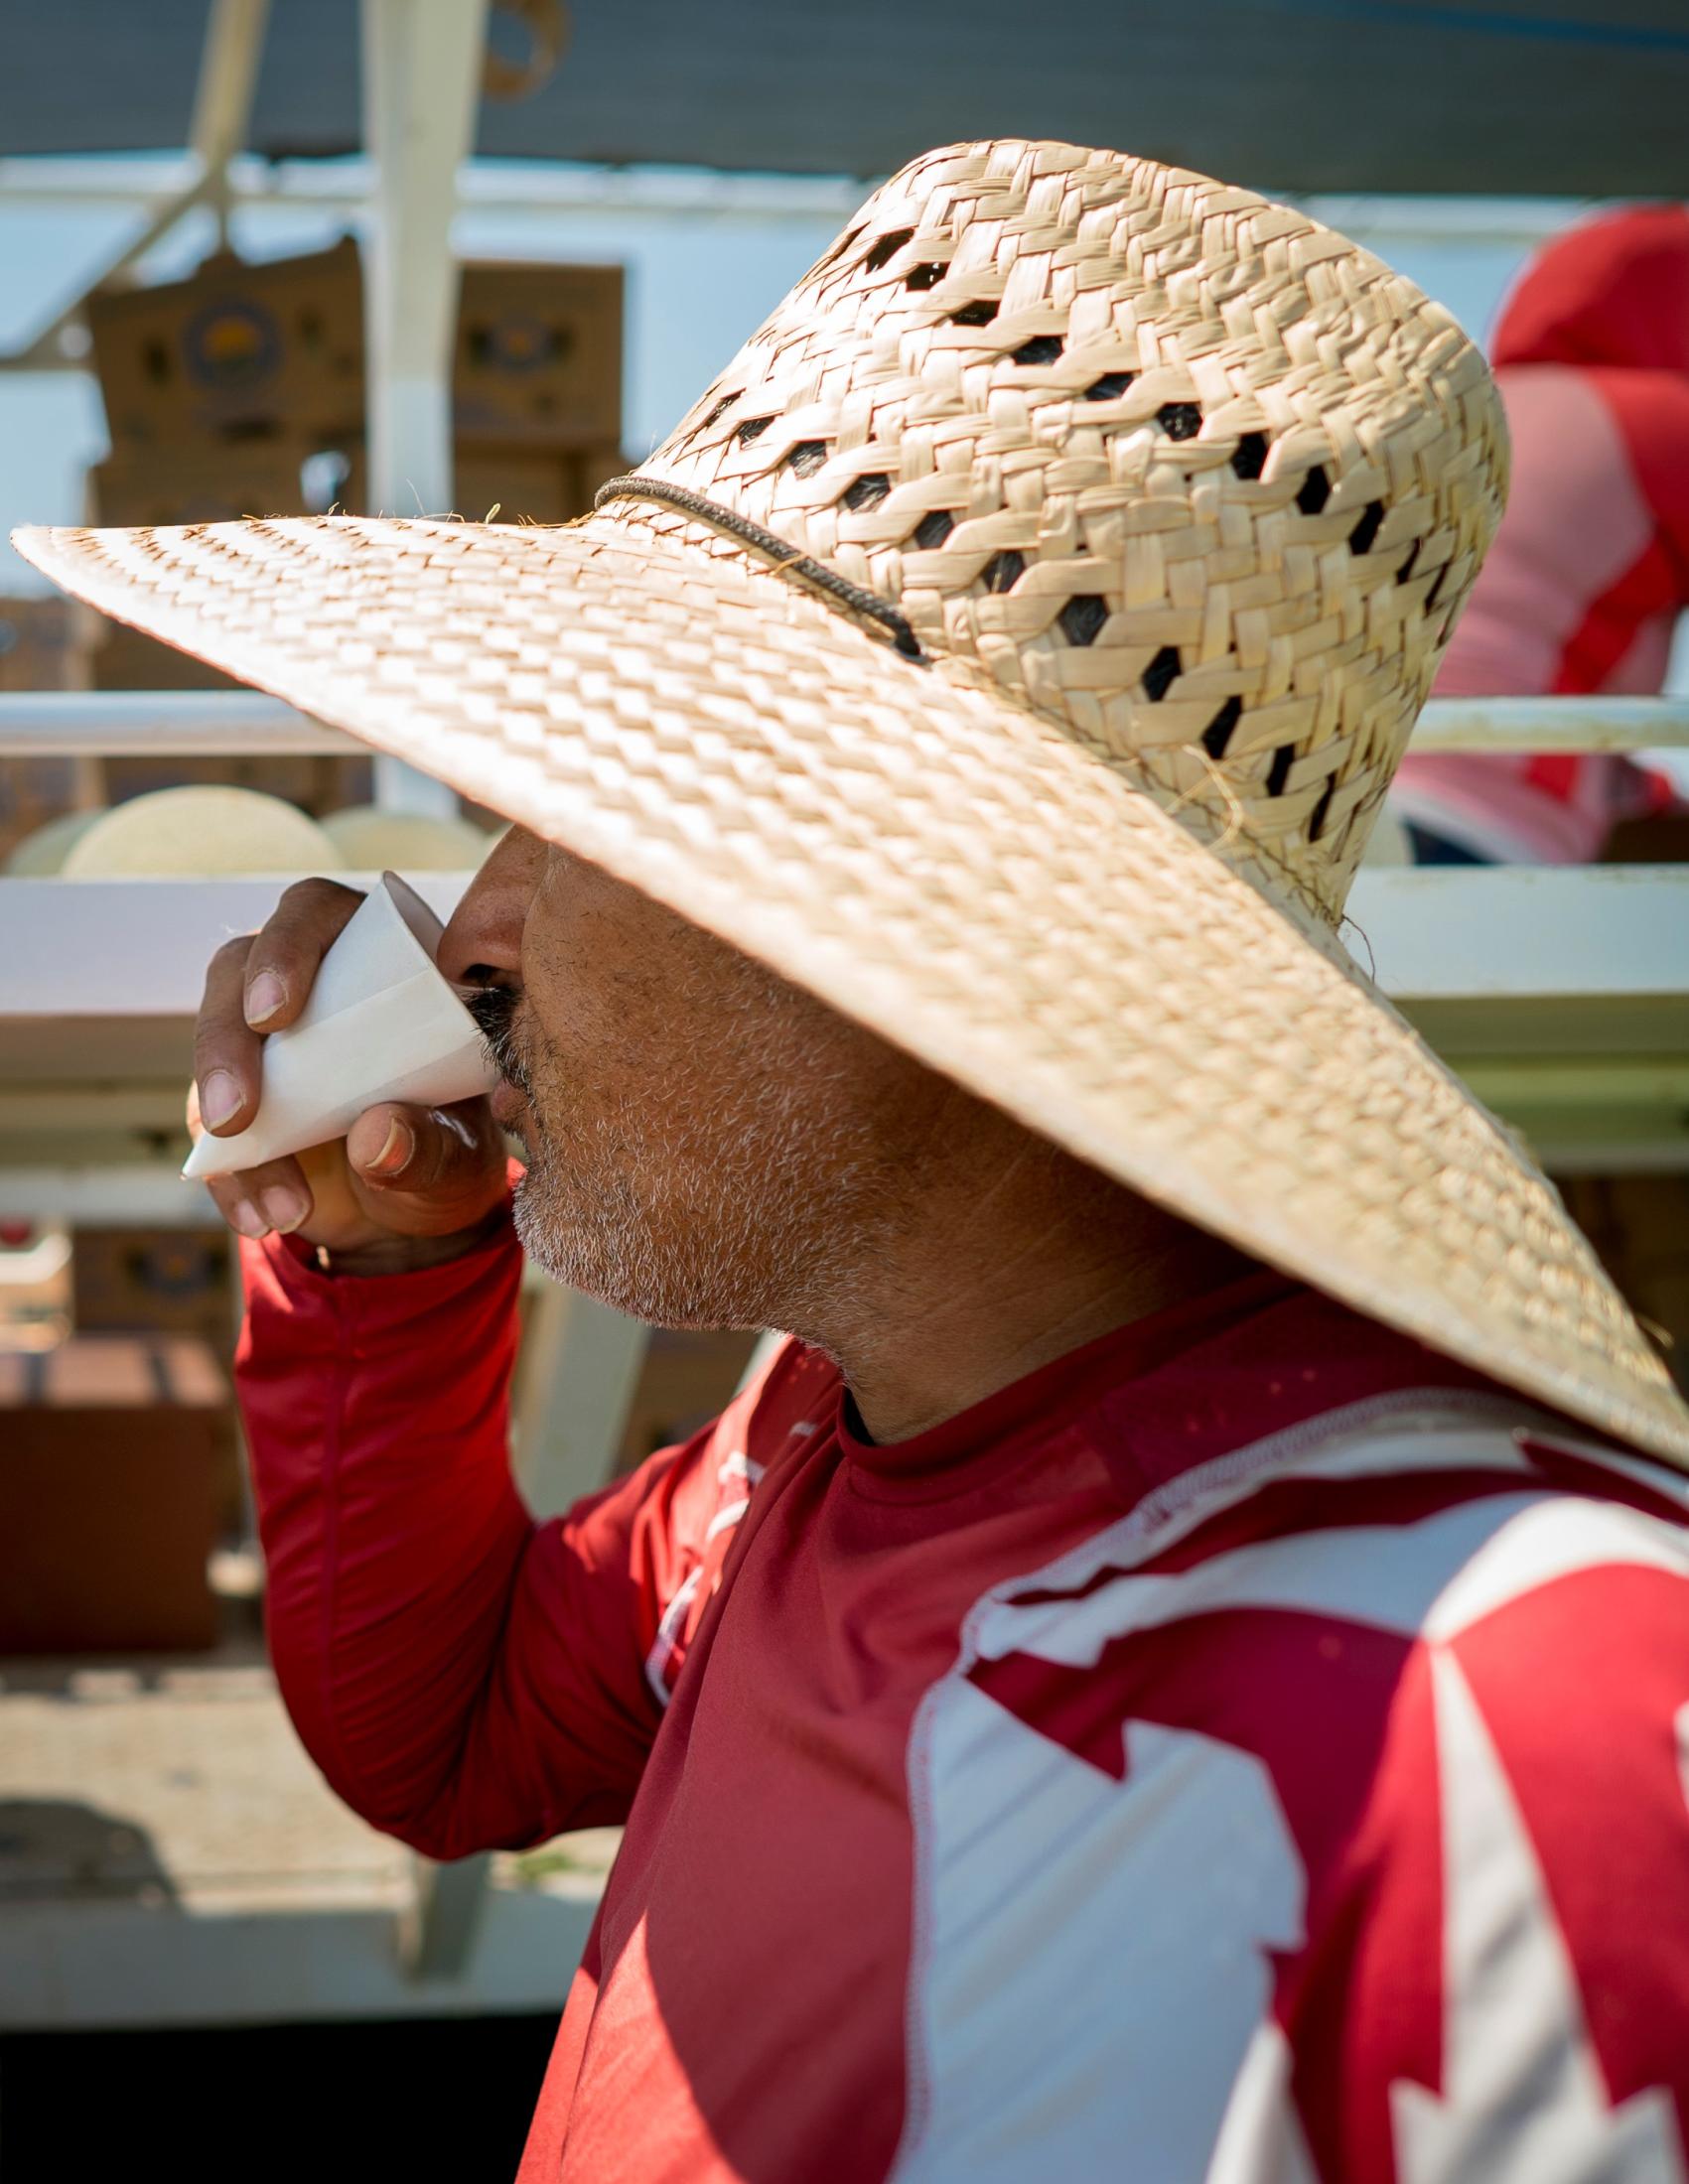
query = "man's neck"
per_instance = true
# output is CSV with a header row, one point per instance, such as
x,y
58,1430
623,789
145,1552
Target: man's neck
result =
x,y
981,1284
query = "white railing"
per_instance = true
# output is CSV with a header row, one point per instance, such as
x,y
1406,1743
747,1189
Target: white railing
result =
x,y
246,724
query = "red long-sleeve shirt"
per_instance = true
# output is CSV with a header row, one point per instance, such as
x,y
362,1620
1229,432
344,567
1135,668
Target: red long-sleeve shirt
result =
x,y
1249,1748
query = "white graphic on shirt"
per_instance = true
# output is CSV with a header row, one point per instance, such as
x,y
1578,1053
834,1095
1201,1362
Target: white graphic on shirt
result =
x,y
1044,2052
1682,1726
1089,1985
736,1470
1262,2138
1522,2099
661,1656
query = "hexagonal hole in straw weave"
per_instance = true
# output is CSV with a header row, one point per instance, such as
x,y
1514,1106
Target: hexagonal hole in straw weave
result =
x,y
886,249
1083,616
1161,672
1003,571
1368,529
1249,457
866,491
1217,734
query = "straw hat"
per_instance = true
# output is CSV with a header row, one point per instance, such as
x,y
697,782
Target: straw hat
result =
x,y
1076,546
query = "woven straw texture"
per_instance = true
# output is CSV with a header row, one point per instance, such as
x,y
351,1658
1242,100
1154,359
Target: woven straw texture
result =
x,y
1152,641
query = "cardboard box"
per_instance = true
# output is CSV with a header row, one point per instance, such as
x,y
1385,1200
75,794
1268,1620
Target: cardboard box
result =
x,y
108,1462
195,484
235,350
177,484
153,1280
42,645
539,356
592,466
126,660
239,352
524,486
1639,1227
315,785
531,484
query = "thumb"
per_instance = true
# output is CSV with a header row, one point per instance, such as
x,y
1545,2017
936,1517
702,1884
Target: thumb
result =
x,y
426,1170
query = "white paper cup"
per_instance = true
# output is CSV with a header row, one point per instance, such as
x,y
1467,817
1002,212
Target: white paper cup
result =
x,y
382,1024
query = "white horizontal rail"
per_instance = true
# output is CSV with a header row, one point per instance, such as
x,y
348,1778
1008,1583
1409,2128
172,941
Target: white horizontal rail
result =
x,y
117,949
149,1193
38,723
161,723
1558,933
139,181
123,949
142,182
1531,724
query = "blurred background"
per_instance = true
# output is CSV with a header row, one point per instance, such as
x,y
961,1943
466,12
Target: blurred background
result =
x,y
286,256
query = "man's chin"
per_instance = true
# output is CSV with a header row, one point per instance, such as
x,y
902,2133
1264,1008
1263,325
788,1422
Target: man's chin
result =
x,y
619,1268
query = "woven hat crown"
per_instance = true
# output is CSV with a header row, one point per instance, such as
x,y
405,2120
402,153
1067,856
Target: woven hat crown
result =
x,y
1185,472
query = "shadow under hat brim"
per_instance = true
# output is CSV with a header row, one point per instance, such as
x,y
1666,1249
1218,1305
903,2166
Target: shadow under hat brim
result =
x,y
931,859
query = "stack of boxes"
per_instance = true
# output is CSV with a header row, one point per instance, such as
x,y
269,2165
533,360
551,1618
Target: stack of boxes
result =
x,y
218,389
241,391
113,1452
536,389
40,649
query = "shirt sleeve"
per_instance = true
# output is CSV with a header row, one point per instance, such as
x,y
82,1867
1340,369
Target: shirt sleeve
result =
x,y
465,1677
1501,1989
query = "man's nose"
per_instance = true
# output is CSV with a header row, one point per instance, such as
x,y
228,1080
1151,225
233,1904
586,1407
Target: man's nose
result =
x,y
482,942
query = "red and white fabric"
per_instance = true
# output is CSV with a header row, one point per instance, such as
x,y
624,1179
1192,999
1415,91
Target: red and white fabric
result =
x,y
1582,588
1247,1752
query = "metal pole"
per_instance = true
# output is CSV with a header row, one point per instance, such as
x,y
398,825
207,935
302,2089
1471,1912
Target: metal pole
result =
x,y
421,78
222,107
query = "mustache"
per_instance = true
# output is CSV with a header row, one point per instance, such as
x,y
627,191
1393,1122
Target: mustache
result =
x,y
493,1009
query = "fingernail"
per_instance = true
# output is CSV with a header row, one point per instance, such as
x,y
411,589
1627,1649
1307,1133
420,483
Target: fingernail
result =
x,y
249,1221
220,1099
264,996
283,1207
396,1149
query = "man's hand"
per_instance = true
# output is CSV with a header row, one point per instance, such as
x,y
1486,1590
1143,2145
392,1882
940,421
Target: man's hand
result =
x,y
408,1186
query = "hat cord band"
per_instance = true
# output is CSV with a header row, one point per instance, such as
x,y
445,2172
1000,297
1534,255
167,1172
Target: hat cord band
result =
x,y
855,599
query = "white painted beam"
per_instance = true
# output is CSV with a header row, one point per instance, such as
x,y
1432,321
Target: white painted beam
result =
x,y
421,82
1450,932
125,948
162,724
579,1366
121,949
1533,725
81,1965
171,723
521,185
148,1193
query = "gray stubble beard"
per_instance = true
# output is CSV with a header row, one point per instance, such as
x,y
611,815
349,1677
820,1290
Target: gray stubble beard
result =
x,y
756,1237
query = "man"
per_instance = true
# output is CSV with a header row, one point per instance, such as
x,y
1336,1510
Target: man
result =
x,y
1097,1705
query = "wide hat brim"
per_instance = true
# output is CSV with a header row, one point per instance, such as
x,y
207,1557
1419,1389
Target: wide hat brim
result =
x,y
934,860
